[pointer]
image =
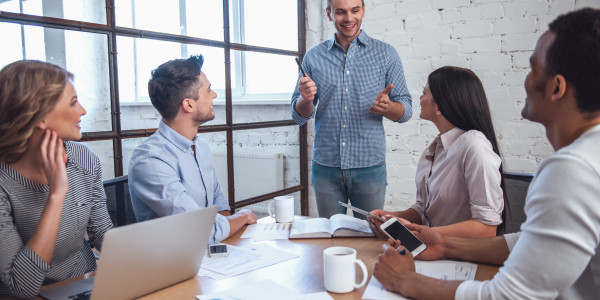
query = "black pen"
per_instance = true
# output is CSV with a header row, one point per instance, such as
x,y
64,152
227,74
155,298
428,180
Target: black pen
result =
x,y
402,251
300,65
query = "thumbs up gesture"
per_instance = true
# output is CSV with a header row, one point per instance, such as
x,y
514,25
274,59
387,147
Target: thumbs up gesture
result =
x,y
382,103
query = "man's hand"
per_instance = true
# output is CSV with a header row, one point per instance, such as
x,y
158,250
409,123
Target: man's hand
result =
x,y
382,102
392,268
380,213
248,216
307,88
433,239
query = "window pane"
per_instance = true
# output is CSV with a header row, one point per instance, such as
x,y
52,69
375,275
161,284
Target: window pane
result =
x,y
92,11
64,48
104,150
270,80
265,160
138,57
202,19
256,29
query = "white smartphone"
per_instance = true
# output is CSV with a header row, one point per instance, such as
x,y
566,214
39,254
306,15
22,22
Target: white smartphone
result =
x,y
217,250
395,230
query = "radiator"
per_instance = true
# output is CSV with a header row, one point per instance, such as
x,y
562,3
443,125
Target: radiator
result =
x,y
255,175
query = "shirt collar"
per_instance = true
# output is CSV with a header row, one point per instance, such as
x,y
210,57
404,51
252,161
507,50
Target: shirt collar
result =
x,y
362,38
449,137
446,140
174,137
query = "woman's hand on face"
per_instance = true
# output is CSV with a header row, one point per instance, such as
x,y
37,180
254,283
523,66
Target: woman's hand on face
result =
x,y
54,161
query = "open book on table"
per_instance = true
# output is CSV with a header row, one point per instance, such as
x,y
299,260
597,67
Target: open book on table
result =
x,y
339,225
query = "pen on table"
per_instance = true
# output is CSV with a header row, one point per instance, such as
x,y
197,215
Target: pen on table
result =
x,y
402,251
300,65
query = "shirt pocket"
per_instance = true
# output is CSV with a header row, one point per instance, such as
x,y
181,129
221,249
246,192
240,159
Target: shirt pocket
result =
x,y
370,82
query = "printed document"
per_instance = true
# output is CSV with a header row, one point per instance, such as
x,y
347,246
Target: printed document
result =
x,y
267,231
264,290
242,260
440,269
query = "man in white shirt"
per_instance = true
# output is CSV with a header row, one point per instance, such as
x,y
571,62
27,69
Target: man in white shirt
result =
x,y
556,253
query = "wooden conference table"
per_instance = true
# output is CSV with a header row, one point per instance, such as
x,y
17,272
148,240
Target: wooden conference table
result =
x,y
303,274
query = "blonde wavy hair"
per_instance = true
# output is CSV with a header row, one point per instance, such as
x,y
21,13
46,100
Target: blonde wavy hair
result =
x,y
29,90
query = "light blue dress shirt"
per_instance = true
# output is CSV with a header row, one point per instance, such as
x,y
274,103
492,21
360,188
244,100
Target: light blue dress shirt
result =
x,y
165,179
347,134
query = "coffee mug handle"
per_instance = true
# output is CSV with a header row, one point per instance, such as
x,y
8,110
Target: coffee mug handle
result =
x,y
271,208
364,272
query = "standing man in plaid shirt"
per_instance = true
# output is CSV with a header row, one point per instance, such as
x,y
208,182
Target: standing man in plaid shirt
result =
x,y
352,81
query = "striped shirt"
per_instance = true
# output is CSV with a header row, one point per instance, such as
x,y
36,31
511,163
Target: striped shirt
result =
x,y
347,134
22,271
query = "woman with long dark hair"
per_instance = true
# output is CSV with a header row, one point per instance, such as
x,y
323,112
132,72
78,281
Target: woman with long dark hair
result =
x,y
459,176
51,191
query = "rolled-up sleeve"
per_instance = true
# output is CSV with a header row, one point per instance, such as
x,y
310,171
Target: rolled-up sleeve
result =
x,y
482,176
395,76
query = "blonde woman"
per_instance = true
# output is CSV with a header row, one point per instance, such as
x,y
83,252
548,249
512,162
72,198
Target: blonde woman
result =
x,y
51,190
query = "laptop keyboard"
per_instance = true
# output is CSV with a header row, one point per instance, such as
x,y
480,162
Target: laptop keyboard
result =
x,y
82,296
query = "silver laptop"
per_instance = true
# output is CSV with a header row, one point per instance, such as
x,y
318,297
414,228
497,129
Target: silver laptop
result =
x,y
141,258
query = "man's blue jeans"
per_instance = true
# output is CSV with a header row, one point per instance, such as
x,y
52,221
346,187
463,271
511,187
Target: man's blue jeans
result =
x,y
364,187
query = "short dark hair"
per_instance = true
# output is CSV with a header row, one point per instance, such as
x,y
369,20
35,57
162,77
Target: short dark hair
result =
x,y
575,54
174,81
460,97
329,4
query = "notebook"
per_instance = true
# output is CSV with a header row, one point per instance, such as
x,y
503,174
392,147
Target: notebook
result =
x,y
141,258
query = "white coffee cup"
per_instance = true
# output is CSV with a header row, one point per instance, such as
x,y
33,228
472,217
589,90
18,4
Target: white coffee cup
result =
x,y
339,269
284,209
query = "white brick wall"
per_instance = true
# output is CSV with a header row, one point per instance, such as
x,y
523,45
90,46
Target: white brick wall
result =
x,y
494,38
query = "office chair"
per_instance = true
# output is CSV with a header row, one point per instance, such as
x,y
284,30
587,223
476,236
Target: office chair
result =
x,y
118,201
516,185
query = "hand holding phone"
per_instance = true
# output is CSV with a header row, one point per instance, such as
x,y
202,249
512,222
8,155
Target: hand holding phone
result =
x,y
395,230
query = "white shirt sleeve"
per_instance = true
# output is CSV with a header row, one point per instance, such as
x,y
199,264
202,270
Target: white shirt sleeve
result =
x,y
557,241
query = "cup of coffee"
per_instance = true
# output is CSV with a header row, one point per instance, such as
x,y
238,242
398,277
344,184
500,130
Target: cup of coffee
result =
x,y
339,270
284,209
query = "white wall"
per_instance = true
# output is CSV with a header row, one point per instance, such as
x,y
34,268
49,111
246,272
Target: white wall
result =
x,y
494,38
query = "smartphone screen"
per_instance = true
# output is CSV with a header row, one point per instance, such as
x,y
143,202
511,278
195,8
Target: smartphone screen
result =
x,y
398,232
217,249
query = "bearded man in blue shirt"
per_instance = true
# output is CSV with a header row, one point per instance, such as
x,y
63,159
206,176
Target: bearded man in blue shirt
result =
x,y
172,171
352,81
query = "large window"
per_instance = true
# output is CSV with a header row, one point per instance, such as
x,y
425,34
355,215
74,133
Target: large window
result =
x,y
112,46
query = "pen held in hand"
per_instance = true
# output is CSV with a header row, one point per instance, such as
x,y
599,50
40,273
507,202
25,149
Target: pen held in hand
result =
x,y
300,65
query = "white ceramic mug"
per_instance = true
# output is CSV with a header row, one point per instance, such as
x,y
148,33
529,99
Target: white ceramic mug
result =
x,y
284,209
339,271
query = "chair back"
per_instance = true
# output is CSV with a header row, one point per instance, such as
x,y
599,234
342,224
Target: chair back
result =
x,y
516,185
118,201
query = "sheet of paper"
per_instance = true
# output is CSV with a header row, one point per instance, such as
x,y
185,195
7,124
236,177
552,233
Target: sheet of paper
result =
x,y
268,231
239,261
376,291
440,269
465,270
447,269
265,289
